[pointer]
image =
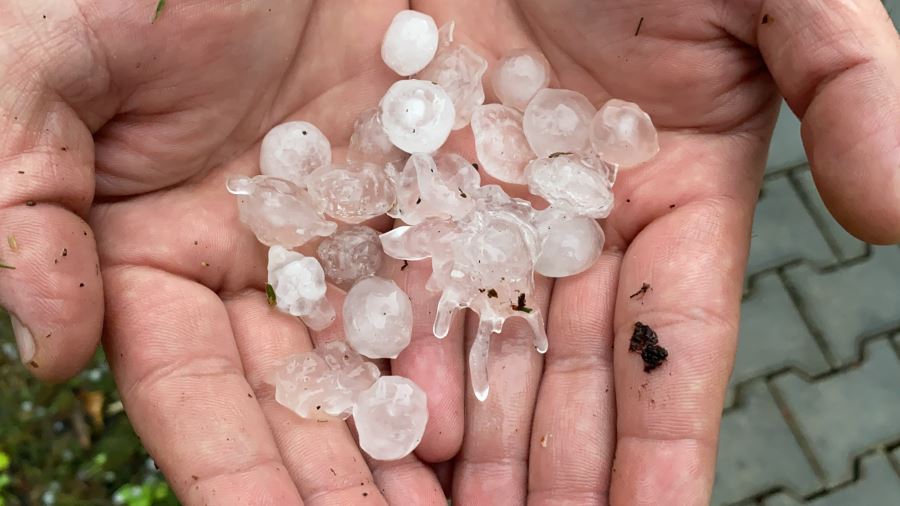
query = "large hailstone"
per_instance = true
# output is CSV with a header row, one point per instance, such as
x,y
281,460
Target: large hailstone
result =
x,y
350,254
351,194
369,143
572,183
410,42
570,244
325,382
278,212
299,285
390,418
378,318
558,121
519,75
500,142
438,186
417,115
623,134
292,150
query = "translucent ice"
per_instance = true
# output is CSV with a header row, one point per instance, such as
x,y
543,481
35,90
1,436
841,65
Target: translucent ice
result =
x,y
572,183
417,115
351,194
500,142
291,151
569,244
558,121
623,134
434,187
299,285
410,42
519,75
350,254
369,143
324,382
278,212
391,417
377,318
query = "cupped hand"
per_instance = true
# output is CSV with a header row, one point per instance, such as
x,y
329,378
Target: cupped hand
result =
x,y
119,135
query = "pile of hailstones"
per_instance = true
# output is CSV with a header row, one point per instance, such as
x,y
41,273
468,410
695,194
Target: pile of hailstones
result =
x,y
484,245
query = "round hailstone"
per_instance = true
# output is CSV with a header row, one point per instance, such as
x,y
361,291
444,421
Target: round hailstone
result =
x,y
571,183
558,121
299,285
369,143
351,194
623,134
377,318
350,254
292,150
324,382
278,212
569,244
391,417
500,142
417,115
519,75
410,42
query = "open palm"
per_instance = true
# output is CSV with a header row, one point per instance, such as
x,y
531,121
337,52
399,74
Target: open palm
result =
x,y
135,127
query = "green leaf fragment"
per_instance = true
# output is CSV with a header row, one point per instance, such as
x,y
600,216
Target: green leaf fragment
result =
x,y
270,295
4,266
159,8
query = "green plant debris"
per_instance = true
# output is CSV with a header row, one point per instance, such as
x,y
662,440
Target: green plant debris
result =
x,y
159,8
270,295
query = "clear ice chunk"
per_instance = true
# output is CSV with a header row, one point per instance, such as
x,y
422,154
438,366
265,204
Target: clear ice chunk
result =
x,y
436,187
623,134
369,143
351,194
299,285
391,417
350,254
558,121
410,42
378,318
417,115
518,76
570,244
572,183
500,142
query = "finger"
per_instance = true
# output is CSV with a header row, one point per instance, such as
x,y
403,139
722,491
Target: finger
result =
x,y
50,282
838,65
574,433
321,457
436,365
173,354
493,464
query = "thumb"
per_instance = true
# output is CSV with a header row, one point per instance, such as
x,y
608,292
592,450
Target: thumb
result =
x,y
49,280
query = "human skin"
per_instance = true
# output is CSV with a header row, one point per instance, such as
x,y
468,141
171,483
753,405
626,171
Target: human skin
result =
x,y
122,133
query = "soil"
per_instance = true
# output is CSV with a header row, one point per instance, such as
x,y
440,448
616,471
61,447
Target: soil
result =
x,y
645,341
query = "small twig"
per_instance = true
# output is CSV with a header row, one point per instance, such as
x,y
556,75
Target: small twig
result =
x,y
640,23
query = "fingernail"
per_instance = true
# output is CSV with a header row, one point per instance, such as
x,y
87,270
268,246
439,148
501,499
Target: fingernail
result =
x,y
24,340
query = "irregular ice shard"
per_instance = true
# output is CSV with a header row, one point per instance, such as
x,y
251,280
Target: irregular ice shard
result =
x,y
434,188
378,318
370,144
291,151
417,115
299,285
278,212
350,254
500,142
325,382
410,42
558,121
573,184
623,134
570,244
391,417
352,194
519,75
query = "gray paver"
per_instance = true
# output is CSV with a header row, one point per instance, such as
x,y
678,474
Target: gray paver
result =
x,y
848,246
784,231
843,415
773,336
786,150
877,486
853,302
747,463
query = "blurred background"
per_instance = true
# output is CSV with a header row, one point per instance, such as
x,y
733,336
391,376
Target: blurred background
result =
x,y
812,414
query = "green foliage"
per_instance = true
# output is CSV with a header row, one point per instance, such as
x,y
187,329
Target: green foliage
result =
x,y
69,444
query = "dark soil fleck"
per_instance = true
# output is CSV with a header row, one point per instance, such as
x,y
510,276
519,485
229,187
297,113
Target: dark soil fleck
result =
x,y
492,294
766,19
65,252
30,203
475,165
405,265
559,153
645,341
638,30
641,291
520,305
419,200
671,206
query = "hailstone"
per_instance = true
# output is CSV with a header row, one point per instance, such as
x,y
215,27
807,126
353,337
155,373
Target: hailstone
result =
x,y
350,254
519,75
623,134
410,42
299,285
558,121
378,318
390,418
351,194
417,115
500,142
292,150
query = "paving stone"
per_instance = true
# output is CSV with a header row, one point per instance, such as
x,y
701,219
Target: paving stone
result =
x,y
784,231
893,8
786,150
773,336
877,485
848,246
843,415
757,451
853,302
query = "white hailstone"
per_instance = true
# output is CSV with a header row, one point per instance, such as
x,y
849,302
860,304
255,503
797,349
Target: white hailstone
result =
x,y
299,285
434,187
519,75
572,183
325,382
390,418
459,71
278,211
417,115
500,142
623,134
410,42
377,318
369,143
293,150
350,254
351,194
569,244
418,242
558,121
